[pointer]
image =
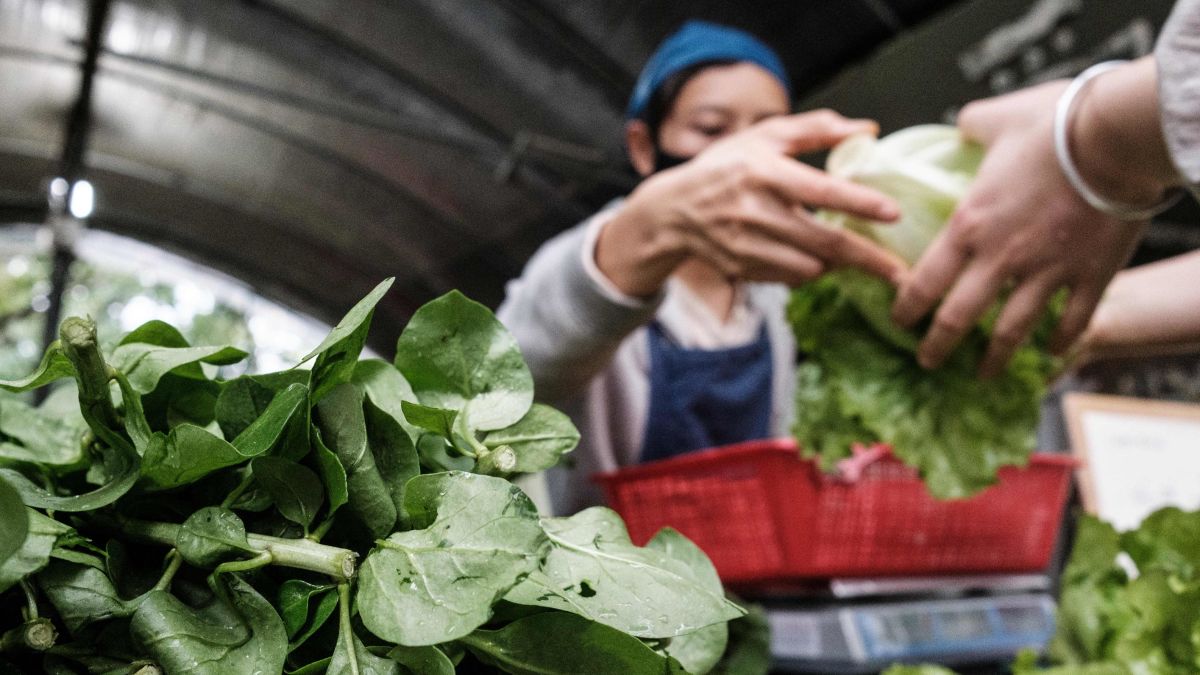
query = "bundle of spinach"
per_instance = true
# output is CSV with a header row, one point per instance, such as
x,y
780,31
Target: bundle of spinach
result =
x,y
1129,604
355,517
861,382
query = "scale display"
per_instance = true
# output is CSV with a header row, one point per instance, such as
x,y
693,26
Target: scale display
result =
x,y
867,637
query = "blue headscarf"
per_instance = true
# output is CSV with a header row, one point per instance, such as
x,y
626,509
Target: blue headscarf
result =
x,y
697,42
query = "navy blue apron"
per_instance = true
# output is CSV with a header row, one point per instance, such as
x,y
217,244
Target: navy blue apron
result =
x,y
701,398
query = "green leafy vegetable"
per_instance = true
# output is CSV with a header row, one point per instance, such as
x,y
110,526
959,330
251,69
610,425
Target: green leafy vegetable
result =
x,y
344,428
1130,603
211,536
54,366
478,536
14,522
145,364
700,650
262,434
539,439
594,570
454,351
295,596
186,455
295,489
423,660
387,389
238,632
861,382
337,355
556,642
41,535
316,488
82,594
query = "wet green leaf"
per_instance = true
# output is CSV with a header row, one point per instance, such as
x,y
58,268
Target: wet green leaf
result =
x,y
476,537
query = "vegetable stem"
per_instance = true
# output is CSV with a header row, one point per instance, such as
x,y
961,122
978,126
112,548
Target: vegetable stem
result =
x,y
498,462
79,343
38,635
31,608
339,563
239,490
174,560
319,531
344,626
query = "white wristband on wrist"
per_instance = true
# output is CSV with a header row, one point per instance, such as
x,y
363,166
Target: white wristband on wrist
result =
x,y
1062,120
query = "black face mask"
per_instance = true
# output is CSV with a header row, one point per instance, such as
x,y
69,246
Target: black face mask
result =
x,y
665,160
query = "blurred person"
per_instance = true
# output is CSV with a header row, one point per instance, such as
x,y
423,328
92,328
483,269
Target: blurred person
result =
x,y
658,324
1042,216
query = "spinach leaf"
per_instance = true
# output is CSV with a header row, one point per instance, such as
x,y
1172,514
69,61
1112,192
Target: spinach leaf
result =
x,y
439,421
338,353
241,634
350,657
422,660
264,432
157,333
479,535
344,428
434,453
245,399
539,439
54,366
749,648
295,597
700,650
393,449
82,594
181,400
557,642
122,467
34,553
212,536
387,389
454,350
594,570
41,438
14,522
333,474
240,402
187,454
145,364
295,489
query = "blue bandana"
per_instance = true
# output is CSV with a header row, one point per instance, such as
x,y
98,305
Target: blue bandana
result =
x,y
697,42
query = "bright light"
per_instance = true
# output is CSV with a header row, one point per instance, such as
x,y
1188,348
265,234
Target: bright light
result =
x,y
58,188
83,199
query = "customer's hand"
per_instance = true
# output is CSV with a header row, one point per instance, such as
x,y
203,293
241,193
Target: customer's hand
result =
x,y
1022,229
743,205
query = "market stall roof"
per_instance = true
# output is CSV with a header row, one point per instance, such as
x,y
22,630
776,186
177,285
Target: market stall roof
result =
x,y
313,147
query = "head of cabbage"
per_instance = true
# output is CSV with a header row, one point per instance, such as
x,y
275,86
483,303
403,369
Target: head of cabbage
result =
x,y
859,381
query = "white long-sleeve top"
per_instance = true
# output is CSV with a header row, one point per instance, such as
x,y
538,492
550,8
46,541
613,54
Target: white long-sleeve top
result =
x,y
1177,54
586,345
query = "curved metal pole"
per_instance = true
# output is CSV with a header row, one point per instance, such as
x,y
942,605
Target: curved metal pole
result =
x,y
71,168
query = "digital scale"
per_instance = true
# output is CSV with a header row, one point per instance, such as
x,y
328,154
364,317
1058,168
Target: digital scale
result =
x,y
863,626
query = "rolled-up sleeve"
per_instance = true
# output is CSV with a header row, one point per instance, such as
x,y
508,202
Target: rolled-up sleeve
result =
x,y
1178,57
567,319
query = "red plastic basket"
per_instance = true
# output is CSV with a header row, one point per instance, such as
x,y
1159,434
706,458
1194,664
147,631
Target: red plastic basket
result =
x,y
765,515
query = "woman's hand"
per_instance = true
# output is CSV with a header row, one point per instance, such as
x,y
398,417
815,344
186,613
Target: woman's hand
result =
x,y
742,206
1021,227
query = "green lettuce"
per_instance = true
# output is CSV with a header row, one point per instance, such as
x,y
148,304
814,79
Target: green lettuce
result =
x,y
861,382
1129,604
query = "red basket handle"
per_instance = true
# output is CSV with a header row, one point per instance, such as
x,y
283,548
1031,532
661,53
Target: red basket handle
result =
x,y
851,469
